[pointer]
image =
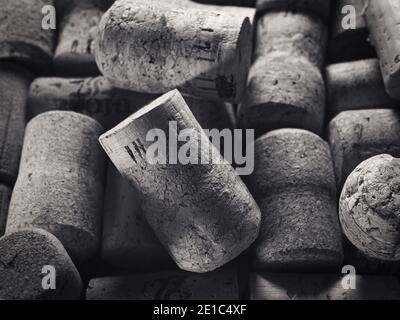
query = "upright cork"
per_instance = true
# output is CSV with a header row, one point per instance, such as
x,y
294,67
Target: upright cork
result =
x,y
219,285
93,96
383,19
356,85
203,53
369,207
270,286
74,55
294,184
357,135
14,87
22,37
198,207
27,257
350,42
320,8
5,195
60,183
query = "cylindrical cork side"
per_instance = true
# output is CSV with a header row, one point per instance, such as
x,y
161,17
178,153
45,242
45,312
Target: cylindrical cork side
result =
x,y
5,195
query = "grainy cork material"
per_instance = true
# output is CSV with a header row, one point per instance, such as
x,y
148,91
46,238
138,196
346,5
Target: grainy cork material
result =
x,y
203,214
60,183
5,195
74,54
203,53
219,285
320,8
352,43
23,255
269,286
14,87
356,85
357,135
93,96
293,182
22,38
369,207
383,19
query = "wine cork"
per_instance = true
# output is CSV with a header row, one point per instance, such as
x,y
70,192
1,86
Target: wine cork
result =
x,y
5,195
320,8
60,183
357,135
350,42
22,36
383,19
199,209
356,85
127,240
283,92
294,184
27,258
14,86
203,53
74,55
368,207
221,285
295,34
269,286
93,96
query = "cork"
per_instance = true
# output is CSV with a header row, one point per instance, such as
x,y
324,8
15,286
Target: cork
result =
x,y
356,85
294,184
92,96
127,240
219,285
60,183
22,38
74,55
320,8
383,19
23,255
203,53
350,44
269,286
357,135
201,211
5,195
14,86
283,92
368,207
296,34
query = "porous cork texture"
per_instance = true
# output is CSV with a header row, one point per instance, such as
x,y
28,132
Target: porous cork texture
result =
x,y
296,34
369,207
22,38
283,92
383,19
92,96
5,195
14,87
60,184
356,85
293,182
320,8
127,240
203,214
74,55
352,43
23,255
219,285
357,135
154,47
269,286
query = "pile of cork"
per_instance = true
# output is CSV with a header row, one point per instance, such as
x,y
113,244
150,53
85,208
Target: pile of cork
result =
x,y
84,214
